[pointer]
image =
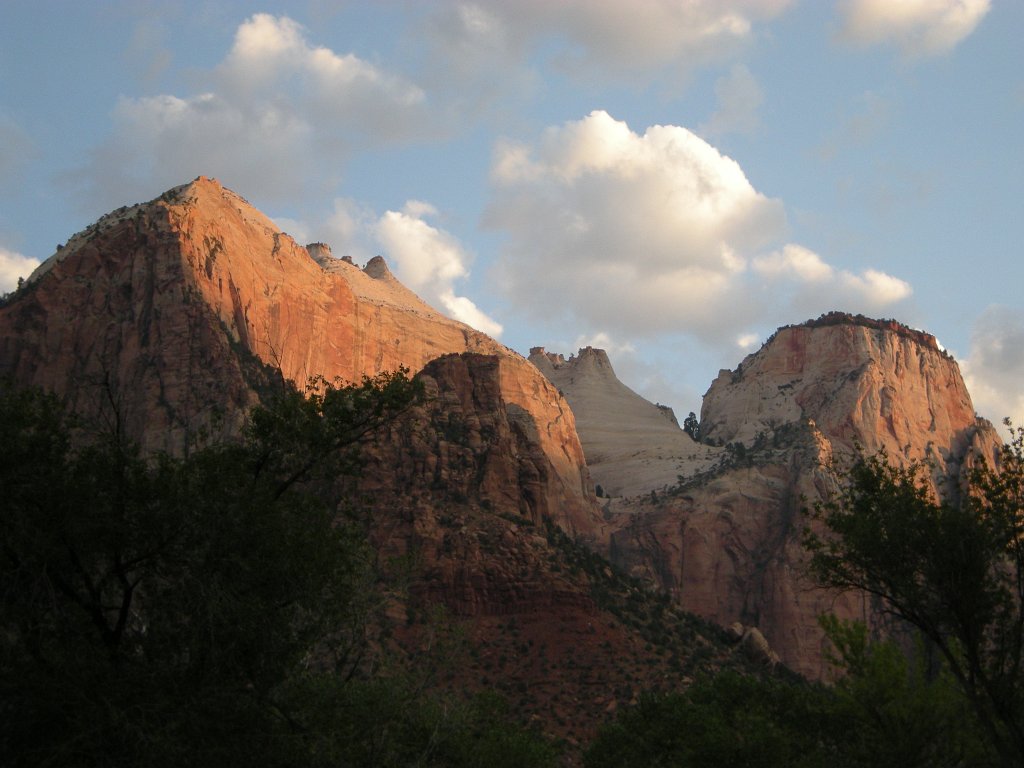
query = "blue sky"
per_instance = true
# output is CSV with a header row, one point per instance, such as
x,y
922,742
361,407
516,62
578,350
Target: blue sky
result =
x,y
668,180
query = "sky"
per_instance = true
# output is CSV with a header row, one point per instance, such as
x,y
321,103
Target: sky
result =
x,y
670,180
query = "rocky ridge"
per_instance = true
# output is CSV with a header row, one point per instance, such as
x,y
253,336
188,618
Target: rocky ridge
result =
x,y
178,311
724,537
631,445
168,319
174,316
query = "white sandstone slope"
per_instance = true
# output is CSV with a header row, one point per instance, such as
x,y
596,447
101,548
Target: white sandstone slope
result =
x,y
632,446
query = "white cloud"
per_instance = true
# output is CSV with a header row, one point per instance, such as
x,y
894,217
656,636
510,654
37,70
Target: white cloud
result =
x,y
799,278
641,235
12,266
917,27
994,370
739,97
630,233
430,261
277,114
748,341
488,55
794,261
876,289
629,37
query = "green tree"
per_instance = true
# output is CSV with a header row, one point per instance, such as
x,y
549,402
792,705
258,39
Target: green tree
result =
x,y
899,708
729,719
159,610
691,426
953,570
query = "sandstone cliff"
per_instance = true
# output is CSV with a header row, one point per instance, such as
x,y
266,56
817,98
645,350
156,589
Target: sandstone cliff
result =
x,y
174,313
725,539
631,445
168,319
862,382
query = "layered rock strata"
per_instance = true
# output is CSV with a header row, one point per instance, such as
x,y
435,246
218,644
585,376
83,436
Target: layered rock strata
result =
x,y
174,314
724,539
631,445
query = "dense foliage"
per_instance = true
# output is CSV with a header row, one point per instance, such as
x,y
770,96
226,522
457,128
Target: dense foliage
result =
x,y
954,571
945,690
886,711
206,610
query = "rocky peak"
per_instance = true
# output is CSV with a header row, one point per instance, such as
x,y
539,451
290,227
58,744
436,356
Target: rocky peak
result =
x,y
319,252
725,540
181,309
872,383
377,268
632,445
892,326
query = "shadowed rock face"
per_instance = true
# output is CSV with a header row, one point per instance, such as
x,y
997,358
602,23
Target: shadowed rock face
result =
x,y
725,542
177,312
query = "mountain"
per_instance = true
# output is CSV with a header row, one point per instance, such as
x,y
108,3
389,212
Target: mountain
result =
x,y
178,311
719,526
167,320
631,445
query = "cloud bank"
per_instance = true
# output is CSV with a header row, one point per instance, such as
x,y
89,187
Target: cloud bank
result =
x,y
12,266
637,235
598,37
430,261
277,112
917,27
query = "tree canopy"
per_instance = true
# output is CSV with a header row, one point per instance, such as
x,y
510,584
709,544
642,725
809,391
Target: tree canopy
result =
x,y
951,569
202,610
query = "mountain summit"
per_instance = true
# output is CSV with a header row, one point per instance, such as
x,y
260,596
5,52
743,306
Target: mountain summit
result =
x,y
182,309
718,524
170,319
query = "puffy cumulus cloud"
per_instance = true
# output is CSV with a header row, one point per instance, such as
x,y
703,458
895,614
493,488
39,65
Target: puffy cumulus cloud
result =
x,y
600,38
994,369
739,97
277,112
271,62
917,27
430,261
602,340
876,289
794,261
640,235
12,266
748,341
634,234
813,286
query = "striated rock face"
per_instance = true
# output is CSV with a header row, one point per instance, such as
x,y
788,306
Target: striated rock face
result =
x,y
174,316
725,541
469,448
175,313
631,444
868,383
